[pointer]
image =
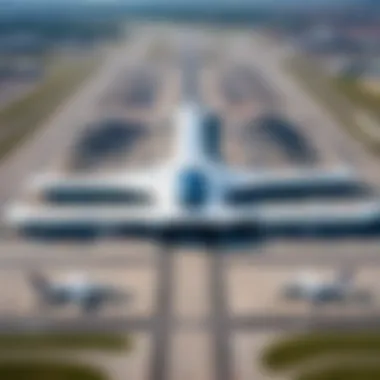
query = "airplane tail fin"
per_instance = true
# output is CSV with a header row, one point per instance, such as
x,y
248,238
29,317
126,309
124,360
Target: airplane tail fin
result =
x,y
120,296
39,282
346,276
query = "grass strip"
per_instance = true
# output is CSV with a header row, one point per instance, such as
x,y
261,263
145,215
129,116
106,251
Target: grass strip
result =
x,y
32,370
63,341
341,97
346,372
21,118
294,351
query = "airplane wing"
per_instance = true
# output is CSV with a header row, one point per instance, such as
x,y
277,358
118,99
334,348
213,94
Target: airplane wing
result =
x,y
99,297
92,302
94,188
246,187
48,293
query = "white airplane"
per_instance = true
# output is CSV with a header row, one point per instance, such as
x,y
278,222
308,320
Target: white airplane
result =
x,y
312,287
76,289
196,195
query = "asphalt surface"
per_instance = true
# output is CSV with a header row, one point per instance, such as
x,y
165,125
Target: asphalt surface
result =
x,y
219,320
163,319
242,82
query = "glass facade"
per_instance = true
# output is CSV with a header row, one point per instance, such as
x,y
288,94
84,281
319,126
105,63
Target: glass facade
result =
x,y
193,189
212,136
95,196
296,192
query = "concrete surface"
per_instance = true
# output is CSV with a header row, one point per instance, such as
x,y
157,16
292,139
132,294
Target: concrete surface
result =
x,y
191,299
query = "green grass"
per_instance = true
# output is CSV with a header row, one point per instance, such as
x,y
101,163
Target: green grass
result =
x,y
31,370
21,118
61,341
368,372
298,350
341,97
357,94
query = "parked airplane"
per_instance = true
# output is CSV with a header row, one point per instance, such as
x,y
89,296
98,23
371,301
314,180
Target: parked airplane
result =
x,y
309,286
76,289
195,195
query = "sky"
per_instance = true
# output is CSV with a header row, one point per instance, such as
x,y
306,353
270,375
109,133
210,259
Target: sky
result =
x,y
270,3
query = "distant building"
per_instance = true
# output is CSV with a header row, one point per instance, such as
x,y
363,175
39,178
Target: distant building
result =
x,y
328,41
352,70
21,43
370,78
368,37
